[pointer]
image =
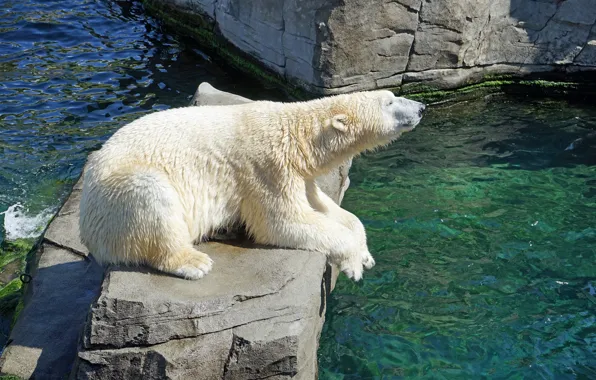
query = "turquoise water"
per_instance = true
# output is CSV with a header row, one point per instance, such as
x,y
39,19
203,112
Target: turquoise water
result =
x,y
483,227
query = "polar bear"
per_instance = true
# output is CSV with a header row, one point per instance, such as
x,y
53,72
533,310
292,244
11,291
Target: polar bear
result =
x,y
172,178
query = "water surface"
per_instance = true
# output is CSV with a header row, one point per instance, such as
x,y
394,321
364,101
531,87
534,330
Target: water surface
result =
x,y
483,225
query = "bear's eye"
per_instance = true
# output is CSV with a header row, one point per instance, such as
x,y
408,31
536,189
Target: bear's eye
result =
x,y
389,102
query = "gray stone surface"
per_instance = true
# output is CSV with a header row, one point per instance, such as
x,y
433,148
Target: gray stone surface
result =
x,y
341,46
258,314
64,229
206,94
260,309
177,359
139,308
43,342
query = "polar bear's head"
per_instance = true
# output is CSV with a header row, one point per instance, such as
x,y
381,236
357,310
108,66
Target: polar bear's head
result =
x,y
372,118
329,130
399,114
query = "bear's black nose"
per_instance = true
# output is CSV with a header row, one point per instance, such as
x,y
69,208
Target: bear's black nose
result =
x,y
421,110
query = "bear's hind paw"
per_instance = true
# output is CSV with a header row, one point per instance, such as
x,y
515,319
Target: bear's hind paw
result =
x,y
190,272
195,266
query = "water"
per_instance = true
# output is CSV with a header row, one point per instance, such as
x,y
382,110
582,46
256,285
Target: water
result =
x,y
71,73
481,222
483,225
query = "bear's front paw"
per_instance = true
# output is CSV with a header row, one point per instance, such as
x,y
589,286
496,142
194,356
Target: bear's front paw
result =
x,y
352,268
367,260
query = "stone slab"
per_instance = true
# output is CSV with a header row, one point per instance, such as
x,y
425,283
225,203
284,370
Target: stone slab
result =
x,y
206,94
43,342
247,283
177,359
266,305
64,228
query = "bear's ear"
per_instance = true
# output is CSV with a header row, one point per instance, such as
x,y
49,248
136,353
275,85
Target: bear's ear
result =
x,y
338,122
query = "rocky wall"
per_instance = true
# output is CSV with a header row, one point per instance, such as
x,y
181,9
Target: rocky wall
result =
x,y
332,46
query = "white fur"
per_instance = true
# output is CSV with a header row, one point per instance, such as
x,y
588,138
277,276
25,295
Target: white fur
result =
x,y
174,177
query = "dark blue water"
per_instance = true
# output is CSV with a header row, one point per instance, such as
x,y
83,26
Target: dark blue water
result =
x,y
71,72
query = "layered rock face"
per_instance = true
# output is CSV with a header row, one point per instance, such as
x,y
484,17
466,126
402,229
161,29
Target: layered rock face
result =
x,y
332,46
258,316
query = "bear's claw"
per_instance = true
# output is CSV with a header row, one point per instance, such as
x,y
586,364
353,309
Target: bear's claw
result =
x,y
352,270
353,275
368,261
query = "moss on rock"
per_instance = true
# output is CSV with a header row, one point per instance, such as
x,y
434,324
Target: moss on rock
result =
x,y
13,261
10,295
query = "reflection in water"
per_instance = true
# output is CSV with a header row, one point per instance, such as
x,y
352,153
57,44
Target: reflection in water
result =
x,y
484,230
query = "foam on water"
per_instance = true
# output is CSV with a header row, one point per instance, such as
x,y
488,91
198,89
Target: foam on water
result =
x,y
19,223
